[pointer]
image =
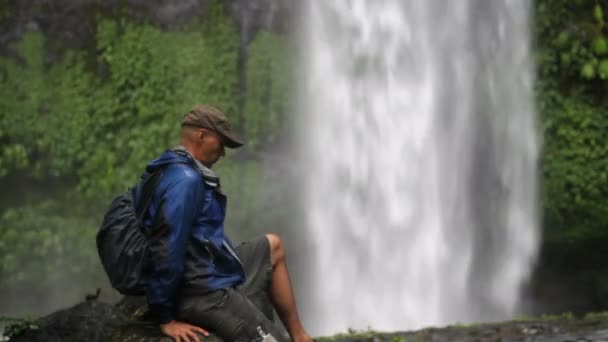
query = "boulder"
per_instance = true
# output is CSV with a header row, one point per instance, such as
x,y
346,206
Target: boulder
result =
x,y
93,320
126,321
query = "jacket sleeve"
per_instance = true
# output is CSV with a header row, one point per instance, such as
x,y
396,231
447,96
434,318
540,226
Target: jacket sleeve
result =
x,y
180,197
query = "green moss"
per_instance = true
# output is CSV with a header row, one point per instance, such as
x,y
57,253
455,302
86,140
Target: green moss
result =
x,y
16,327
466,325
546,317
597,316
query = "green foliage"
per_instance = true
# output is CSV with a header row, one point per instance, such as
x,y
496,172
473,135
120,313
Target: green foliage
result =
x,y
267,72
573,38
16,327
572,58
40,243
575,163
566,316
352,333
66,121
459,325
597,316
241,186
572,65
93,119
154,78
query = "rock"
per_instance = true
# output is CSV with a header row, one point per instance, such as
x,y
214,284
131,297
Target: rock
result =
x,y
95,321
88,321
126,321
591,329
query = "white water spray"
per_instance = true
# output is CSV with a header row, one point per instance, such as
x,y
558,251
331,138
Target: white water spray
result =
x,y
420,149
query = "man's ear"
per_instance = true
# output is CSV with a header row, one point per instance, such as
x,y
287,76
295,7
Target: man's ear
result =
x,y
201,133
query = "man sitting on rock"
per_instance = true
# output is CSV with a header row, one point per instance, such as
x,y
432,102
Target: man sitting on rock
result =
x,y
197,279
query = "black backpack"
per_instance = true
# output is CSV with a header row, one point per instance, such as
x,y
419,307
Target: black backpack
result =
x,y
121,242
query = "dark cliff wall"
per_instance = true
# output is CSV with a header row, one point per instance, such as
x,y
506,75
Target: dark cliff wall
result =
x,y
71,24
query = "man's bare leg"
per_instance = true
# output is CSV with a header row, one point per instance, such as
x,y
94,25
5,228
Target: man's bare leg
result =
x,y
281,291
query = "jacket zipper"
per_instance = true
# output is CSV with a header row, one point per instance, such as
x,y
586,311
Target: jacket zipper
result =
x,y
227,246
207,243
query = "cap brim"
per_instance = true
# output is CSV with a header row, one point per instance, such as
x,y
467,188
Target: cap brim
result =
x,y
232,141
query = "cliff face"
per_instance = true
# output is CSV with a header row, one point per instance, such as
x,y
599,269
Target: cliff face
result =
x,y
71,24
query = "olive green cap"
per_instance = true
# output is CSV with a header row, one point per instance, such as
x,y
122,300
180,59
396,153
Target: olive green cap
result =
x,y
211,118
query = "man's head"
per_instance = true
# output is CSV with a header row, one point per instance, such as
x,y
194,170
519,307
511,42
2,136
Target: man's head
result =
x,y
205,133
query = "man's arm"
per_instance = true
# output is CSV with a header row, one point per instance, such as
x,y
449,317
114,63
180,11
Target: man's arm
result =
x,y
180,201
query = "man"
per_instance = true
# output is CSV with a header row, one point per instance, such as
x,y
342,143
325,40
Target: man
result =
x,y
196,278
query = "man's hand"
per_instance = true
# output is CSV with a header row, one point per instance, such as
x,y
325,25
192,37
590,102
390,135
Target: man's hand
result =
x,y
180,331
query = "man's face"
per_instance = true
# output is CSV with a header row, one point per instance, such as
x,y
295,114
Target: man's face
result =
x,y
211,147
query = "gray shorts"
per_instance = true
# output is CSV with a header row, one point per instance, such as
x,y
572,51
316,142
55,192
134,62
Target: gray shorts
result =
x,y
238,314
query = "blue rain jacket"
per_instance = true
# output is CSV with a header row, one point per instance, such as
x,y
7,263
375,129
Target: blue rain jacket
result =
x,y
189,253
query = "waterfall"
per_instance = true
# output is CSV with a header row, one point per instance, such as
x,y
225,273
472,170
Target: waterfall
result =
x,y
419,146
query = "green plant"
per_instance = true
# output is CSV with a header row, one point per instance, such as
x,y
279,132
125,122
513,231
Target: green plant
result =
x,y
597,316
17,327
40,244
77,132
267,76
572,63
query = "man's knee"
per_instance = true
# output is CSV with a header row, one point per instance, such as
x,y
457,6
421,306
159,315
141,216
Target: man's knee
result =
x,y
277,250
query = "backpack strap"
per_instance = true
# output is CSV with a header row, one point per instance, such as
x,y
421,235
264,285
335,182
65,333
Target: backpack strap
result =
x,y
147,192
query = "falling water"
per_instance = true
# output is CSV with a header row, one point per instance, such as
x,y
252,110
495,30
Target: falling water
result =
x,y
420,148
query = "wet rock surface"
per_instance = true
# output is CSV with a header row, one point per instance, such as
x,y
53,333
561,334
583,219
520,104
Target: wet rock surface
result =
x,y
93,320
560,330
88,321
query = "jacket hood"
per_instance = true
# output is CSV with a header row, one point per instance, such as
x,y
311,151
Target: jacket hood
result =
x,y
179,155
167,158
